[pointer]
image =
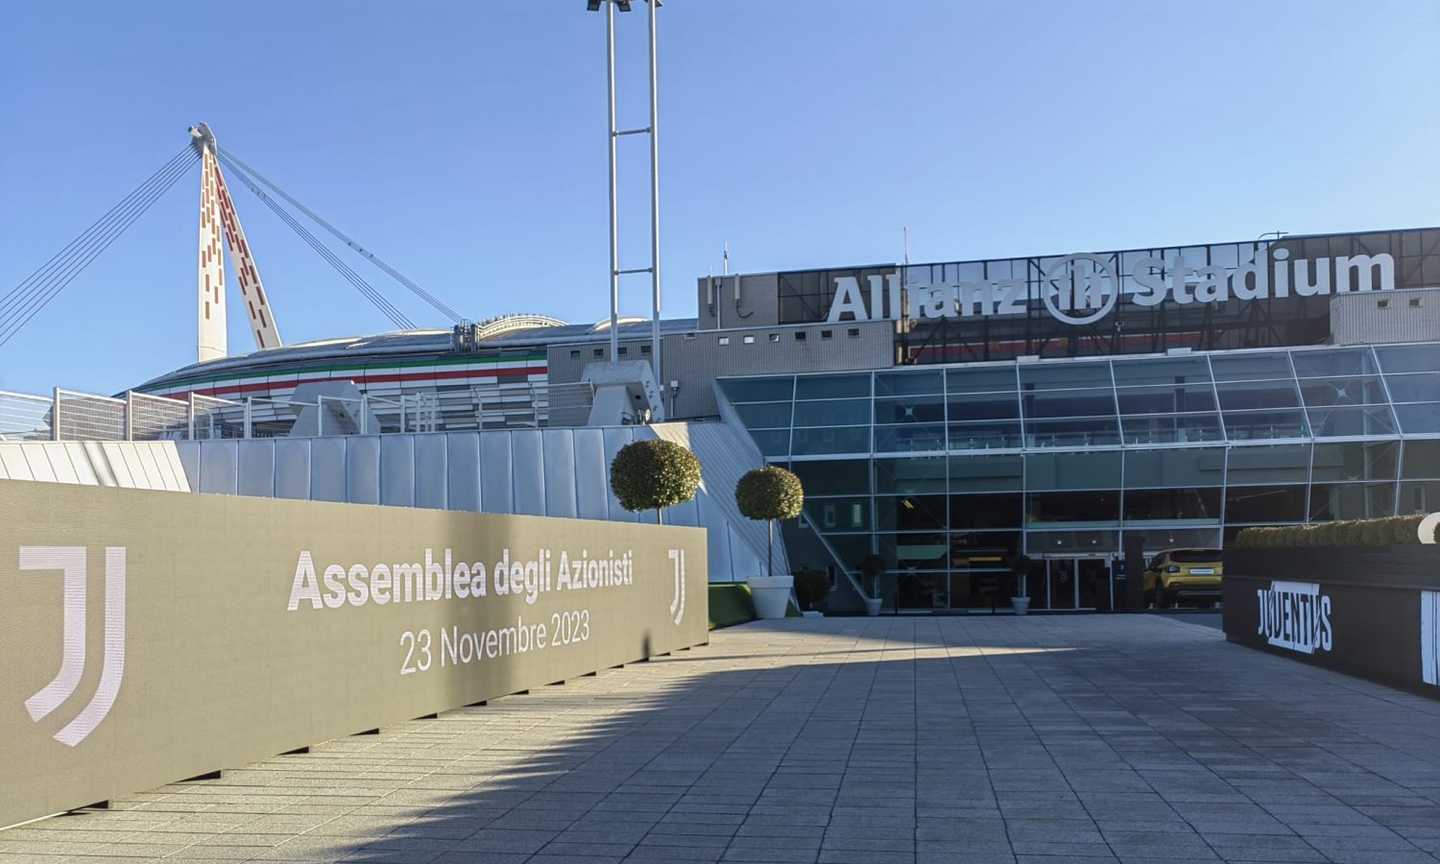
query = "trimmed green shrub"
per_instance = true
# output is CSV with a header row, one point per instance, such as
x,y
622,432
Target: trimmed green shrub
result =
x,y
1391,530
872,567
811,586
730,604
770,493
650,475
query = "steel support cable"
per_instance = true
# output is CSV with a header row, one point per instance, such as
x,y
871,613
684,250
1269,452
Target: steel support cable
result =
x,y
57,277
242,168
14,323
98,226
366,290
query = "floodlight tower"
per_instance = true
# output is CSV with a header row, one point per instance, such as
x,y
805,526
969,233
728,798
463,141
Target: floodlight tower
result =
x,y
614,134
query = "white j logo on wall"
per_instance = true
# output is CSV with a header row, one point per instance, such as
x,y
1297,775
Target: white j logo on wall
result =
x,y
677,602
71,562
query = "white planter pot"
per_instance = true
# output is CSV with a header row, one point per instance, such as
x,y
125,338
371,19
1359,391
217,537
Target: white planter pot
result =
x,y
872,605
1021,604
771,595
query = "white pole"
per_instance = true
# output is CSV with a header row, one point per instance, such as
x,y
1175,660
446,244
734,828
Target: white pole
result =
x,y
655,204
614,216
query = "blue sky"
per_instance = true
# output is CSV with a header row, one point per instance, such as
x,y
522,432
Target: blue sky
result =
x,y
464,143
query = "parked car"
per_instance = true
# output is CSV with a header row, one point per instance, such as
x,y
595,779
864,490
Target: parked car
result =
x,y
1178,576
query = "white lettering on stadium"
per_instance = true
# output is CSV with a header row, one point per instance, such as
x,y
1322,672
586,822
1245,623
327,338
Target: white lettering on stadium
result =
x,y
358,584
1296,616
1082,289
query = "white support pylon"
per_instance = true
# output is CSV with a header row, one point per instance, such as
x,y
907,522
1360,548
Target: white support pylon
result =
x,y
217,212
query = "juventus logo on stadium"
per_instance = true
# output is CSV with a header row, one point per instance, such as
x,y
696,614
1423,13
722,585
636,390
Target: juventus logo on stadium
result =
x,y
1429,529
677,602
71,561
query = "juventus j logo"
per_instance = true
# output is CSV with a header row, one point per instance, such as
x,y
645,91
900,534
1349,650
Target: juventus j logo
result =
x,y
677,602
71,561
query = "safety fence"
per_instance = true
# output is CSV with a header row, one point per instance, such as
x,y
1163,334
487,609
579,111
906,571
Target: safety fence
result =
x,y
70,415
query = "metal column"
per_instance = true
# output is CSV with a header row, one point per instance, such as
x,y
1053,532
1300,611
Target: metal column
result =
x,y
611,137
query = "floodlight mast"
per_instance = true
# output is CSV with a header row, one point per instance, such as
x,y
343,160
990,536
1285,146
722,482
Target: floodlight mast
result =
x,y
613,136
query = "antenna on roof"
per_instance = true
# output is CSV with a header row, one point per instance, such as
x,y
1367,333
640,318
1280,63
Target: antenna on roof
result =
x,y
725,260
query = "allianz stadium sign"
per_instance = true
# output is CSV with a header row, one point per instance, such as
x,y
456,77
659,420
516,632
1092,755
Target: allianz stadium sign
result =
x,y
1083,288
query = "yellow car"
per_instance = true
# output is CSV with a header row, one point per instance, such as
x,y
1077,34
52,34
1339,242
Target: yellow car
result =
x,y
1184,576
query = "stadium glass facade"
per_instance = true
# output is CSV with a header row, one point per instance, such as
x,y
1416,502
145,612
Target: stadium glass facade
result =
x,y
948,471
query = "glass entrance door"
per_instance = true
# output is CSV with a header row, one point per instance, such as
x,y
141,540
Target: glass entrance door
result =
x,y
1061,590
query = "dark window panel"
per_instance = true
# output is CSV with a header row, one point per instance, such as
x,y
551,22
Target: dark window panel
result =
x,y
1285,463
1073,470
985,473
910,512
834,476
1072,507
1262,425
1172,429
908,437
772,442
1189,466
985,380
908,383
1179,370
1351,501
835,439
1162,399
1069,403
1087,432
1419,419
987,406
1422,460
832,412
1260,504
757,389
1356,461
971,512
925,551
984,550
910,475
1365,390
1409,358
1421,497
985,435
1418,387
1249,395
831,386
1351,422
839,514
1170,504
910,409
1251,367
764,415
1326,364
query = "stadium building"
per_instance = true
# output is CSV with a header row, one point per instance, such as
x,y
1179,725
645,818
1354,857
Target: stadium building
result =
x,y
950,416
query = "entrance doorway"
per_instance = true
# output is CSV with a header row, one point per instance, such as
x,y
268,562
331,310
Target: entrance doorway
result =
x,y
1074,582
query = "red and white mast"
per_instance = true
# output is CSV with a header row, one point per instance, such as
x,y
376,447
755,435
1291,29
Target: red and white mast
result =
x,y
217,213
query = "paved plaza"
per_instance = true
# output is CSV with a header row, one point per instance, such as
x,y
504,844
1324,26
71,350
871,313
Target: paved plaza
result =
x,y
975,740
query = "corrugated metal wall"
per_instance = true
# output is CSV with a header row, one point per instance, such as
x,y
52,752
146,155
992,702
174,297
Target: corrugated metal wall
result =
x,y
127,464
1376,317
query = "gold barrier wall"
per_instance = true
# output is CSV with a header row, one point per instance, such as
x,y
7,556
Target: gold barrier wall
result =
x,y
147,637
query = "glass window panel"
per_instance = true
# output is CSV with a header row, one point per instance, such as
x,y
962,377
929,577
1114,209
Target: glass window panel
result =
x,y
1072,470
1072,508
831,386
969,512
1069,403
1343,391
925,474
984,406
1288,463
1172,504
852,548
1422,418
985,473
1178,370
1191,466
1347,422
1259,425
833,476
985,435
909,436
1162,400
1072,433
1154,540
1351,501
910,512
907,383
1409,358
772,442
1422,460
1041,542
1420,497
764,415
1367,460
832,439
1344,361
982,380
832,412
1257,394
1251,367
770,389
1419,387
1172,429
910,409
927,551
1263,504
839,514
985,550
1059,376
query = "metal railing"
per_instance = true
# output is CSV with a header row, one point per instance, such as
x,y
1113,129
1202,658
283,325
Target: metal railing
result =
x,y
72,415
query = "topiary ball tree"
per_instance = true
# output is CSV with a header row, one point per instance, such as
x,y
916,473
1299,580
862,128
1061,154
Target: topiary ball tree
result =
x,y
770,493
654,474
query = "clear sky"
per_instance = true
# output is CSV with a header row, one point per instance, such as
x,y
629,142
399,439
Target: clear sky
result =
x,y
464,142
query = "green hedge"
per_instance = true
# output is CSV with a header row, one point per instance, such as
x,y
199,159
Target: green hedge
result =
x,y
730,604
1395,530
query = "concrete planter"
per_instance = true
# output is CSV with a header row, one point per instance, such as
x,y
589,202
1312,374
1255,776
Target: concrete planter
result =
x,y
1020,604
771,595
872,606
